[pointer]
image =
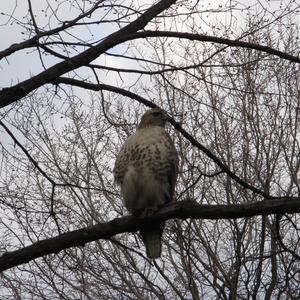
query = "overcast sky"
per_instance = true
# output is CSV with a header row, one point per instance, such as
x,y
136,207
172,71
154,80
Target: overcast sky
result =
x,y
25,64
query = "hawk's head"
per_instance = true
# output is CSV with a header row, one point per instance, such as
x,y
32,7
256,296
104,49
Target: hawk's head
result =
x,y
153,117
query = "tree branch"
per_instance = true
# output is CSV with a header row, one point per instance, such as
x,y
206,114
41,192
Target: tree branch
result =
x,y
33,41
180,210
214,39
16,92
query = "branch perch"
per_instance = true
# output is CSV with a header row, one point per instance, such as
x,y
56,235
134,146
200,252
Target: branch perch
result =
x,y
180,210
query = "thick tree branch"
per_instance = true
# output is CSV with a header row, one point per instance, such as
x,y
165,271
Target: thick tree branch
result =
x,y
214,39
180,210
16,92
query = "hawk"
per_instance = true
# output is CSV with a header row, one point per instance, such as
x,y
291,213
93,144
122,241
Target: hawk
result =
x,y
146,169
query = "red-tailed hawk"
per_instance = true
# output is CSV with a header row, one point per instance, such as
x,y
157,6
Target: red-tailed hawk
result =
x,y
146,169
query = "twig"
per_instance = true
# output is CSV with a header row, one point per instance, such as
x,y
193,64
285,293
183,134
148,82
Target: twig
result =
x,y
284,247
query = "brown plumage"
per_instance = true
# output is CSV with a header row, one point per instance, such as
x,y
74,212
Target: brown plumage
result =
x,y
146,169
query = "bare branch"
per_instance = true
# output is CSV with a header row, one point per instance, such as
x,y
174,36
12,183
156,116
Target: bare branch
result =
x,y
36,165
34,40
16,92
214,39
281,243
181,210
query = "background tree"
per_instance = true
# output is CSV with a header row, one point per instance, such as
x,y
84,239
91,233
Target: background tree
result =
x,y
84,72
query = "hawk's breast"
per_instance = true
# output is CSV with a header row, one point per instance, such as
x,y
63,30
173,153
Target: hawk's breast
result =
x,y
143,168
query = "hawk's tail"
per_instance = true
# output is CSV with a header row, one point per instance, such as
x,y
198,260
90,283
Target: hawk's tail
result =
x,y
151,235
